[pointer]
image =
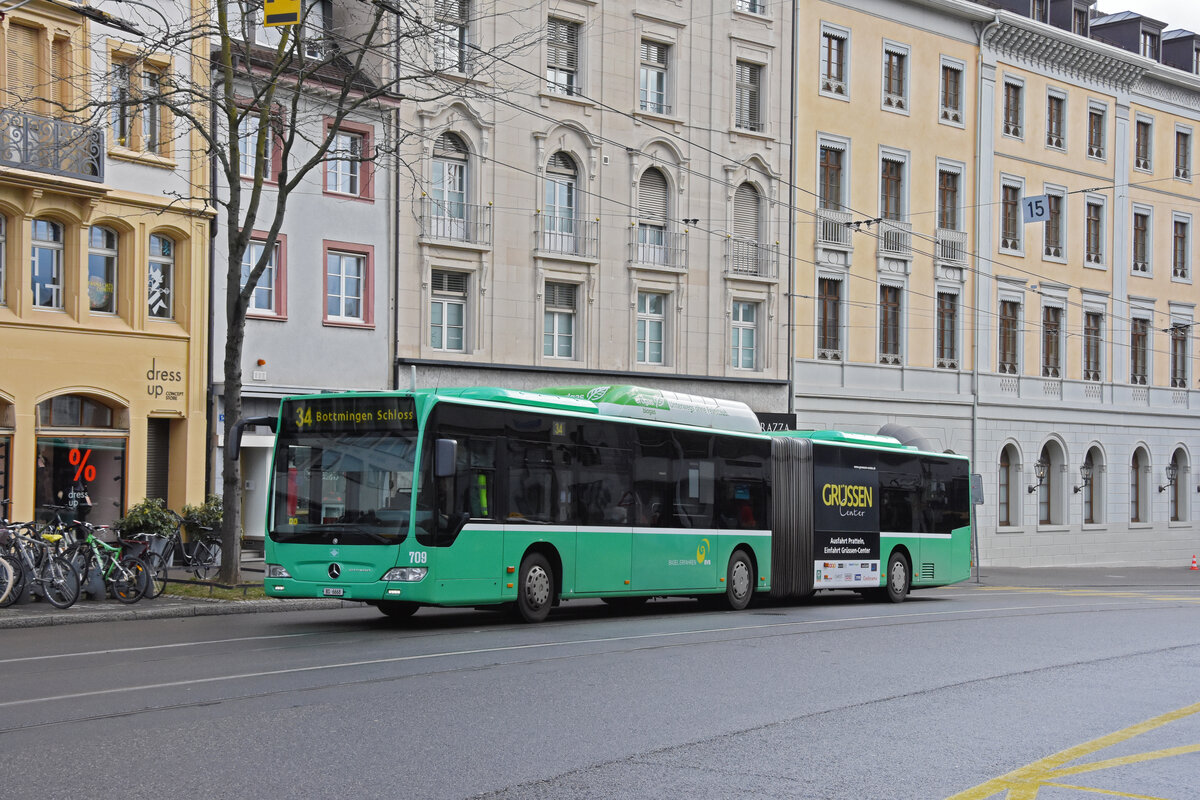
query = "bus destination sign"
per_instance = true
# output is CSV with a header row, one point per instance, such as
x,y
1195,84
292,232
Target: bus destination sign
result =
x,y
326,413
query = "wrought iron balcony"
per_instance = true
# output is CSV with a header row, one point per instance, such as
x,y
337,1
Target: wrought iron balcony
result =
x,y
452,221
833,227
54,146
655,247
748,257
570,236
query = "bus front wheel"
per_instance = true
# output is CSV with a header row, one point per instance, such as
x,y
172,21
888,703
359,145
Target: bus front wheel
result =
x,y
397,609
535,590
898,580
739,580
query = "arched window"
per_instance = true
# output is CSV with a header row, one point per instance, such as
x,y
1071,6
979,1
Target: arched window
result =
x,y
1004,497
560,204
80,459
1137,487
450,187
1046,488
1177,499
1089,488
161,278
653,213
102,270
747,229
46,264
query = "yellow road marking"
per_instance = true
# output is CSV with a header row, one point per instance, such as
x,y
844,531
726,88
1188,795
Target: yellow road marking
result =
x,y
1090,790
1025,783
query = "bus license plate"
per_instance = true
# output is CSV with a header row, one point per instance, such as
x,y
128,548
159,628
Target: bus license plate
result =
x,y
334,592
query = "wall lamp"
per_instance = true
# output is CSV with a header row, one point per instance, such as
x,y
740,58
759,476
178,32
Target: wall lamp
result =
x,y
1172,473
1085,476
1039,469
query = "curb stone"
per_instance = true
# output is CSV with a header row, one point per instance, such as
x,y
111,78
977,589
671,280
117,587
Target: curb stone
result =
x,y
208,608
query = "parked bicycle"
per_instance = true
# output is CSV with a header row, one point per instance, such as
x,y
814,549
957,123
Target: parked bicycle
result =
x,y
32,560
201,557
126,576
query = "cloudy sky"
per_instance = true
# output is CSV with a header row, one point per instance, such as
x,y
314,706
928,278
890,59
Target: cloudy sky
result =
x,y
1176,13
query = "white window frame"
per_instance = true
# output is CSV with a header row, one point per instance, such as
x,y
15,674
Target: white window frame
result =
x,y
1148,213
828,354
646,320
1017,130
345,174
1064,133
957,168
759,93
1018,247
57,254
343,256
842,144
1141,310
1094,306
646,69
945,114
1183,318
1097,107
1186,173
444,300
1179,216
826,86
447,35
1017,296
901,325
554,315
903,158
1101,201
738,328
957,333
250,257
1057,302
167,267
563,81
114,266
1148,166
897,104
1062,194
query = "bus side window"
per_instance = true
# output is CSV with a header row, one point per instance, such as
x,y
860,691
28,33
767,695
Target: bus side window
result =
x,y
477,477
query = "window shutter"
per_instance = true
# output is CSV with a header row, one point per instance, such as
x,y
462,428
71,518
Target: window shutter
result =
x,y
562,42
560,295
454,11
450,144
445,282
561,164
654,53
23,80
746,212
652,195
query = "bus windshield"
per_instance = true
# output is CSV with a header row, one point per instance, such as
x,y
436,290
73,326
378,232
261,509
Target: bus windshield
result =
x,y
343,488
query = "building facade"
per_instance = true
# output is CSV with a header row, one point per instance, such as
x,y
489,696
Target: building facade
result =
x,y
1063,362
606,203
103,274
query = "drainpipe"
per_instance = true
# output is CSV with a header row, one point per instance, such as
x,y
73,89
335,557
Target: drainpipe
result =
x,y
979,216
791,235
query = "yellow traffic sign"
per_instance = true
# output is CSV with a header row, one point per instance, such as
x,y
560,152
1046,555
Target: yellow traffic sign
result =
x,y
281,12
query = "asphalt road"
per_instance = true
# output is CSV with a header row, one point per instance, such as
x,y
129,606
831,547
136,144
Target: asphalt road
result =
x,y
939,697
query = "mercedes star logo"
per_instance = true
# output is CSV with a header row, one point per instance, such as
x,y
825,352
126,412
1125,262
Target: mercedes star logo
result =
x,y
334,571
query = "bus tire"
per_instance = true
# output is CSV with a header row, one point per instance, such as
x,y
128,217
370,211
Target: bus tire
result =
x,y
535,588
739,580
898,578
398,609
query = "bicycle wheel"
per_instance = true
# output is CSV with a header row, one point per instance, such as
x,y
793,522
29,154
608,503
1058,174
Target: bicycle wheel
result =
x,y
60,582
80,556
6,579
129,579
18,581
206,559
158,574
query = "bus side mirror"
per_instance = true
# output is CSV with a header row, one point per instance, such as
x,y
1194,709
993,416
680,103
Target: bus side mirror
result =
x,y
236,446
445,458
976,488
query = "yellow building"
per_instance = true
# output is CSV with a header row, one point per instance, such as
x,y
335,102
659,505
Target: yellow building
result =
x,y
103,276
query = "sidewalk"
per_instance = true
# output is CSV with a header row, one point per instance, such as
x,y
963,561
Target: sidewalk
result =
x,y
39,614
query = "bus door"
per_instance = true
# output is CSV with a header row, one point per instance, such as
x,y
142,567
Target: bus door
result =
x,y
467,557
603,507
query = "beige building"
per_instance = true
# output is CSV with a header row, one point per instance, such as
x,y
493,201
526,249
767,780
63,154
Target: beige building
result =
x,y
605,205
937,303
103,279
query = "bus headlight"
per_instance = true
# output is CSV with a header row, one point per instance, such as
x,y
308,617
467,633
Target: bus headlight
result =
x,y
277,571
409,574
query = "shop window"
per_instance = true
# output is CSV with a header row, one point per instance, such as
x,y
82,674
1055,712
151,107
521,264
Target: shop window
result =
x,y
85,473
102,270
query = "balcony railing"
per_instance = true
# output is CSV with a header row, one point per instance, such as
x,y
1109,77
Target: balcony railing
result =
x,y
456,222
895,238
570,236
748,257
54,146
651,246
833,227
952,246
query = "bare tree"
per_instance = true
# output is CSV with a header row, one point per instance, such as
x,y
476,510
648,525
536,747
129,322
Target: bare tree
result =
x,y
268,105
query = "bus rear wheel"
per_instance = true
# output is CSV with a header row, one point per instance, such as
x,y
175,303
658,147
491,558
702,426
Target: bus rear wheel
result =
x,y
535,588
898,580
397,609
739,580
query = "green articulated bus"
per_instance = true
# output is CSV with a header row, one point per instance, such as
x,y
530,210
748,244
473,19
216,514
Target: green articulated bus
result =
x,y
479,496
